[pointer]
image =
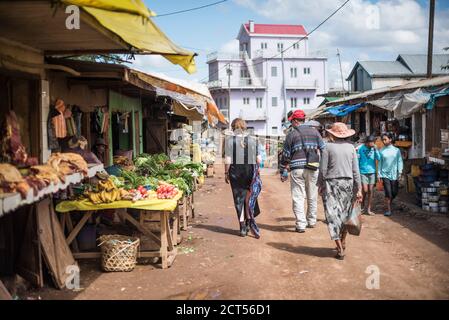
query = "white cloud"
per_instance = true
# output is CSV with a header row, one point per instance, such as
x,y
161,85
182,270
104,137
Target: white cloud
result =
x,y
232,46
150,63
361,30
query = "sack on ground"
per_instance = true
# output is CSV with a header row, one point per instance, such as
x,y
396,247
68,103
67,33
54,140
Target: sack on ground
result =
x,y
354,223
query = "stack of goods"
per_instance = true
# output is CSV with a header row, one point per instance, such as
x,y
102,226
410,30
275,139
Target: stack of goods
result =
x,y
38,177
180,141
12,181
68,163
432,189
181,173
106,191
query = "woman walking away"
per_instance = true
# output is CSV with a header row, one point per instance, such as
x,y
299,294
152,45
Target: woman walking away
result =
x,y
390,170
339,182
368,154
242,172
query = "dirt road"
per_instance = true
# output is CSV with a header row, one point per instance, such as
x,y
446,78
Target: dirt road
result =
x,y
412,255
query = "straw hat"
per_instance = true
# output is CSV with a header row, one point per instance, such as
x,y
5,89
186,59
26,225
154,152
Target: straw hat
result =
x,y
340,130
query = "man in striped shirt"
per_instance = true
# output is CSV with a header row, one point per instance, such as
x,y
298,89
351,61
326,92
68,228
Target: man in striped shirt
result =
x,y
300,155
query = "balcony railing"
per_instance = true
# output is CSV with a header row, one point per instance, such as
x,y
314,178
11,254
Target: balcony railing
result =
x,y
226,56
240,83
253,115
301,84
291,53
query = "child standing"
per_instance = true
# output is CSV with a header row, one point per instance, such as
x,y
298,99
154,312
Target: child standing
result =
x,y
368,154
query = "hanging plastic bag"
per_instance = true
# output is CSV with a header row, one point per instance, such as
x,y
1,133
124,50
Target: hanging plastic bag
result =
x,y
354,223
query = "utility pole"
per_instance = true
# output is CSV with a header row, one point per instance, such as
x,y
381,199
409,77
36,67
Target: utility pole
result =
x,y
229,73
284,91
341,72
430,43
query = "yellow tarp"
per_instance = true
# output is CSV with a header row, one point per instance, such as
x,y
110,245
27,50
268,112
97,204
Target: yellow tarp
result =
x,y
130,6
152,205
144,35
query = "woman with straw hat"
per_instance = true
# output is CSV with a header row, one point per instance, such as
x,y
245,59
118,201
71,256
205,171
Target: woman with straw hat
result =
x,y
339,182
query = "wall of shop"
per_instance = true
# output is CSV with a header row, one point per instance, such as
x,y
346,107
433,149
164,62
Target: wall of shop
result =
x,y
121,103
436,119
81,95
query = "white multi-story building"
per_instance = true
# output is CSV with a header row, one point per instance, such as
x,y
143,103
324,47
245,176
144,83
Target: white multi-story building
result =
x,y
250,85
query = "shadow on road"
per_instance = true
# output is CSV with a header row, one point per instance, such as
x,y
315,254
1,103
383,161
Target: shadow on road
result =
x,y
310,251
277,228
218,229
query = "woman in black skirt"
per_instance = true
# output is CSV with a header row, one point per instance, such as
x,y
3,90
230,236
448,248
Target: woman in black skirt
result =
x,y
242,172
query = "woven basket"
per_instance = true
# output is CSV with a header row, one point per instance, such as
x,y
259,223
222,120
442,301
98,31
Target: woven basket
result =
x,y
119,253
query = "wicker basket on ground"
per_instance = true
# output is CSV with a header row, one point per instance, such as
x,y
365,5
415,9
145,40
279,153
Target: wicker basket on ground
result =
x,y
118,252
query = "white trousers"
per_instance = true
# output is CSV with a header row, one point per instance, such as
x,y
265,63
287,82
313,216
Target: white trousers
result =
x,y
304,186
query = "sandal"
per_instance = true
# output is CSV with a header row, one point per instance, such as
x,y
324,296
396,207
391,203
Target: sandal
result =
x,y
254,229
340,255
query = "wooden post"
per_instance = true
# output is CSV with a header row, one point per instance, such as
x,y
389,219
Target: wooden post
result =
x,y
164,243
430,40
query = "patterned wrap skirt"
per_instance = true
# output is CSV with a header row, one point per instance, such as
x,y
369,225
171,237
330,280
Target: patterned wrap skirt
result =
x,y
338,197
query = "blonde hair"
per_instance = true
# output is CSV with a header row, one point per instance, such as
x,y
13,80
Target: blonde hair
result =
x,y
238,123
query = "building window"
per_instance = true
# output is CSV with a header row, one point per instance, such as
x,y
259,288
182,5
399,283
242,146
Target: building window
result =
x,y
293,72
274,130
244,73
259,103
306,100
294,102
274,101
296,46
306,70
274,71
263,45
245,100
280,47
225,102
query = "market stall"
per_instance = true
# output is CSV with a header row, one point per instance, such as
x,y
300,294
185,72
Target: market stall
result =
x,y
154,196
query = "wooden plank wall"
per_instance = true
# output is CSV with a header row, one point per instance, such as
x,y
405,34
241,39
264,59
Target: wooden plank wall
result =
x,y
437,119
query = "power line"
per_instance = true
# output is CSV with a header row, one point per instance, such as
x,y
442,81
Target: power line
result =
x,y
282,51
191,9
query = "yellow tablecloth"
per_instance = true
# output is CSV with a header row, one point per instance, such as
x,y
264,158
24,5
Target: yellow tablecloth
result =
x,y
153,205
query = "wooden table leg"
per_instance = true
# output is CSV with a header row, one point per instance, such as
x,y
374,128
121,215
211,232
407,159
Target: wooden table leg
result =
x,y
69,224
184,214
175,227
78,227
192,205
164,242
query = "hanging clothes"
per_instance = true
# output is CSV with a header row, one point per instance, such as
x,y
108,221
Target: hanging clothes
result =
x,y
53,143
105,120
70,123
59,120
77,115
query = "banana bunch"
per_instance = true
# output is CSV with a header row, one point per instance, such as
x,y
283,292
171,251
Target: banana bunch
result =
x,y
105,196
107,185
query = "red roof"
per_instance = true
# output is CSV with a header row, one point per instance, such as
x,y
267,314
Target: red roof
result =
x,y
277,29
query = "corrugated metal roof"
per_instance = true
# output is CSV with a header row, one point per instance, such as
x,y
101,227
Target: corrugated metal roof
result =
x,y
377,68
438,81
417,63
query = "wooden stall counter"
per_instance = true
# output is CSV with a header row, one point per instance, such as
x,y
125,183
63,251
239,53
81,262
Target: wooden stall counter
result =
x,y
154,210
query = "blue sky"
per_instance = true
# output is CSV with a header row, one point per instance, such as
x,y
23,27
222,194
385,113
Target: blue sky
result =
x,y
401,28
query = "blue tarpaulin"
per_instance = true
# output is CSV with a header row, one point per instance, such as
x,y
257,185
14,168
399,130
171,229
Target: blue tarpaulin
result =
x,y
434,96
344,109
